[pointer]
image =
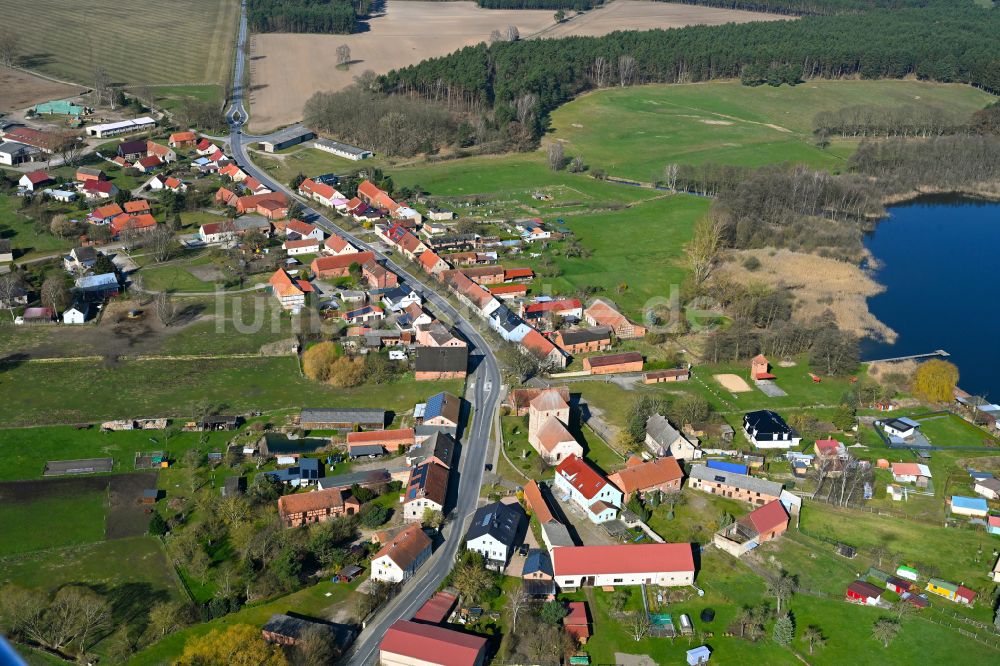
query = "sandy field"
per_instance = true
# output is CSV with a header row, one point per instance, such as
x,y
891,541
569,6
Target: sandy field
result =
x,y
818,284
286,69
732,383
19,90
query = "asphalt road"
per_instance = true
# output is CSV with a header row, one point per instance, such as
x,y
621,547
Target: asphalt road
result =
x,y
483,393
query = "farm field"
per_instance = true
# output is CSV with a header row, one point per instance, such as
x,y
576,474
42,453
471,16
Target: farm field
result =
x,y
45,514
180,42
635,132
19,90
161,388
286,69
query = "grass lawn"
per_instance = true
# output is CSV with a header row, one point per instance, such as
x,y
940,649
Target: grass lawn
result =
x,y
24,451
172,388
312,602
636,132
170,97
20,231
133,574
194,45
953,430
173,278
50,522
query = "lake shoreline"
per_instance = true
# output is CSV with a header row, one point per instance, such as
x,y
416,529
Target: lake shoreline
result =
x,y
983,192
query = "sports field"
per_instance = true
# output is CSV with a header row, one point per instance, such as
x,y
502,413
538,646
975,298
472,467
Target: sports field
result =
x,y
137,42
636,132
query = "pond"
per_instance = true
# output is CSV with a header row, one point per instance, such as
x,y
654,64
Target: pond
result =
x,y
937,259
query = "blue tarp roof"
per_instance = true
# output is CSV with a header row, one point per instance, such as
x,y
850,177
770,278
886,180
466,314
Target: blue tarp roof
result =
x,y
736,468
970,503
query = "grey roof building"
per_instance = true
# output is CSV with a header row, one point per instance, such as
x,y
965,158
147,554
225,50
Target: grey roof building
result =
x,y
706,478
286,629
442,360
494,530
341,419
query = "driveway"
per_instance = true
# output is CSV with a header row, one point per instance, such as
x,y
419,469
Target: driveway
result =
x,y
588,533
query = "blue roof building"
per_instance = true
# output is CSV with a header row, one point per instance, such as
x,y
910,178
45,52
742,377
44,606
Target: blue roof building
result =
x,y
735,468
969,506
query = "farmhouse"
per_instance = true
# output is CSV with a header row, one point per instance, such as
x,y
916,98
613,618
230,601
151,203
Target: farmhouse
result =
x,y
767,430
663,439
434,363
737,486
122,127
99,189
493,532
217,232
46,142
390,440
426,489
602,313
861,592
537,312
342,419
508,325
760,525
417,644
614,363
80,259
104,214
969,506
644,478
582,340
442,409
305,473
541,348
663,564
582,484
316,506
432,263
182,139
400,558
290,292
163,152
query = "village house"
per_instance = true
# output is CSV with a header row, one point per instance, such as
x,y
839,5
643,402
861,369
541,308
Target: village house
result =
x,y
763,524
290,292
733,485
602,313
662,564
767,430
298,247
182,139
320,192
132,150
297,229
988,488
96,287
613,363
494,531
78,313
80,259
163,152
436,334
316,506
407,243
442,409
547,354
217,232
545,311
432,263
398,298
99,189
483,275
588,489
366,314
435,363
662,439
829,456
911,473
272,205
378,276
104,214
400,558
132,223
412,316
548,434
438,448
900,428
337,245
160,182
508,325
645,478
339,265
583,340
419,644
85,173
426,489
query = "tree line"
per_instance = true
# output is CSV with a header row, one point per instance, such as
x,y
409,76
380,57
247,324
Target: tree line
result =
x,y
946,162
322,16
807,7
939,42
863,120
578,5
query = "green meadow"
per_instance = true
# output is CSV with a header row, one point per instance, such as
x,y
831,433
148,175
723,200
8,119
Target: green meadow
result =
x,y
635,132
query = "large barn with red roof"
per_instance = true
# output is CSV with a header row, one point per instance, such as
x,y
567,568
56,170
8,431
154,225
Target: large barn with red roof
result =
x,y
649,563
417,644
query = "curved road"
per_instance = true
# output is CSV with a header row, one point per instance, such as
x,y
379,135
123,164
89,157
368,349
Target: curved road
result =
x,y
483,392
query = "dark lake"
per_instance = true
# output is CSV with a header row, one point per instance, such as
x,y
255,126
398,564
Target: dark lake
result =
x,y
939,263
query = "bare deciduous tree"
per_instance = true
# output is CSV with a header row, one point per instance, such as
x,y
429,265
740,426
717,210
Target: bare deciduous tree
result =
x,y
516,603
704,247
602,71
637,624
495,37
525,107
670,176
344,56
160,242
166,310
10,289
513,34
10,43
102,83
556,155
55,293
626,70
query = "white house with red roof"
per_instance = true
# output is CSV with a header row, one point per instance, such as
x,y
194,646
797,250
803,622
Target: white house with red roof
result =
x,y
35,179
664,564
338,245
301,246
298,229
588,489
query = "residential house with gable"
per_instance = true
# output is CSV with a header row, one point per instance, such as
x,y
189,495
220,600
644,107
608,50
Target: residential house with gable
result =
x,y
400,558
588,489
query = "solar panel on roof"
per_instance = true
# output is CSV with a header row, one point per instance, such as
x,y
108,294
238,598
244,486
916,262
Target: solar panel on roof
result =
x,y
486,519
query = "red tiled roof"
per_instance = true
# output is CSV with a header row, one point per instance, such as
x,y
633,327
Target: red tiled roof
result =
x,y
538,344
768,517
304,242
136,222
102,186
177,137
311,501
501,289
37,177
437,608
828,446
553,306
149,161
403,435
576,621
104,212
405,547
587,481
157,149
336,243
517,274
172,182
646,475
629,559
137,206
320,264
426,642
905,469
300,227
533,495
428,259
